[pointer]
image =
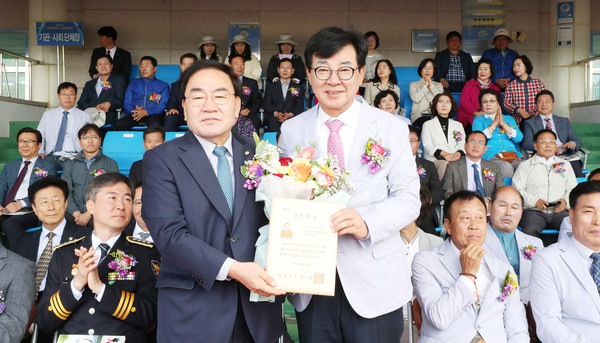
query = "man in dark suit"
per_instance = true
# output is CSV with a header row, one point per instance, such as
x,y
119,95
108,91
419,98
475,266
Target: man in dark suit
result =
x,y
175,116
251,99
103,283
567,142
105,93
453,67
472,172
153,136
205,223
14,181
108,46
283,98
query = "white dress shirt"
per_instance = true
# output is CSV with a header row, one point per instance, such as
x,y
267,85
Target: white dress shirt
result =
x,y
58,231
284,88
138,230
350,120
22,191
471,174
50,125
483,280
553,128
584,252
112,52
548,162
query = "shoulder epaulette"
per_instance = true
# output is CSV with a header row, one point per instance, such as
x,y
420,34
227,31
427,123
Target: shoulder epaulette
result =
x,y
139,241
67,243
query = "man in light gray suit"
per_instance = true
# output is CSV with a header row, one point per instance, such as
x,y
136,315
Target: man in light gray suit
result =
x,y
505,241
471,171
565,277
458,284
373,279
17,293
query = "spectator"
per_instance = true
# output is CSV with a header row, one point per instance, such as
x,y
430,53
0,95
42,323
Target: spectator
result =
x,y
453,66
175,116
121,58
473,173
423,91
283,99
502,132
545,182
80,171
502,58
145,99
208,49
240,47
565,226
443,138
469,107
15,179
287,46
566,140
141,229
59,127
519,97
249,120
104,93
153,136
387,100
384,79
373,56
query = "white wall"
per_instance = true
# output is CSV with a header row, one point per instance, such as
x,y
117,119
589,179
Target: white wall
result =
x,y
18,110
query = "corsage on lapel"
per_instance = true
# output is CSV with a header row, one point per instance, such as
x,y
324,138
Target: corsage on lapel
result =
x,y
509,286
457,135
294,91
39,172
375,155
421,171
489,174
2,304
122,265
528,251
154,97
246,90
97,172
106,86
559,168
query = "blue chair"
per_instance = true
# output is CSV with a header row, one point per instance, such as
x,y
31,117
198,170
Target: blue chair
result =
x,y
270,137
508,181
173,134
125,147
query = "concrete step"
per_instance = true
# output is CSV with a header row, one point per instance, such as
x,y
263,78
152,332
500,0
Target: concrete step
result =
x,y
587,130
590,143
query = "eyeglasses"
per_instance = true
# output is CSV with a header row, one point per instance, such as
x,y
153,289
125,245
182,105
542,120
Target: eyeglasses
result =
x,y
444,102
547,141
286,68
198,98
92,138
27,141
371,40
344,73
476,142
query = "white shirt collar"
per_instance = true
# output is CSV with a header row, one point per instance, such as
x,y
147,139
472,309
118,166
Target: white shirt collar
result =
x,y
349,117
543,116
539,159
138,229
33,160
209,146
96,241
584,251
470,162
58,231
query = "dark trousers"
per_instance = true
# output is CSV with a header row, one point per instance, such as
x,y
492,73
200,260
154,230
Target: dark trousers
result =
x,y
534,221
127,122
15,226
173,121
332,320
272,124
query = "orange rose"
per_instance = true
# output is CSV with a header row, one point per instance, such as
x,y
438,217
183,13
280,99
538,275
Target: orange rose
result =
x,y
302,172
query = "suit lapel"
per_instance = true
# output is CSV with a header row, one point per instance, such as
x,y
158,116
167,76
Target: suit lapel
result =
x,y
120,244
240,154
449,259
3,256
367,127
309,134
464,177
494,245
491,298
572,258
488,185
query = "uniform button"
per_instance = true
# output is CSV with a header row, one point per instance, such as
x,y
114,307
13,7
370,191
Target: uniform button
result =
x,y
233,239
92,310
90,331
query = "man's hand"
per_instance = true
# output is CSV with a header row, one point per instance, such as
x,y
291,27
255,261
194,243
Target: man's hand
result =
x,y
470,259
42,156
349,222
541,204
255,278
14,207
245,112
569,145
444,83
139,113
286,116
450,157
502,83
561,207
83,218
172,111
86,263
105,106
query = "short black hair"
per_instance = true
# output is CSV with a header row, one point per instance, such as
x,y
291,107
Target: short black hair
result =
x,y
426,199
188,55
66,85
412,128
330,40
47,182
540,132
383,94
437,97
231,57
460,197
87,127
490,91
110,60
526,62
488,62
476,132
374,34
106,180
27,129
108,31
497,190
393,77
209,64
544,92
453,34
423,64
285,60
582,189
149,58
594,173
152,129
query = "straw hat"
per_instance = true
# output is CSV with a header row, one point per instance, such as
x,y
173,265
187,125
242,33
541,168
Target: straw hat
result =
x,y
502,32
286,38
208,40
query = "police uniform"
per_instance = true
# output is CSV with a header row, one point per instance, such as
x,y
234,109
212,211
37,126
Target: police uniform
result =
x,y
127,307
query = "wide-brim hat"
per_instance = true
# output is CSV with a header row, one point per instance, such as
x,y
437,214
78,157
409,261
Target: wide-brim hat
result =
x,y
208,40
286,38
502,32
239,39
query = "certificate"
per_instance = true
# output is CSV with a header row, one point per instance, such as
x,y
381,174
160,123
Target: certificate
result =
x,y
302,248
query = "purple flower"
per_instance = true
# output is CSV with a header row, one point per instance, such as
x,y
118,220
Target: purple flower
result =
x,y
112,265
2,307
364,158
251,184
374,167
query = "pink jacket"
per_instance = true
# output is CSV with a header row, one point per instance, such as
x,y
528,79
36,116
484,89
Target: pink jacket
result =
x,y
469,101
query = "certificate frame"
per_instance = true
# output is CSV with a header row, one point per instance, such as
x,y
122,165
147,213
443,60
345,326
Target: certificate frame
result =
x,y
424,41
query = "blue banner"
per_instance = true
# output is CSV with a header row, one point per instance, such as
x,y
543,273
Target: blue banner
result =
x,y
59,33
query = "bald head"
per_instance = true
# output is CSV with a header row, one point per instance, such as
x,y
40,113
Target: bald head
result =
x,y
506,209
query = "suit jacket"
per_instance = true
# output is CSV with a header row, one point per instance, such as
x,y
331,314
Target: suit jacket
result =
x,y
175,98
433,138
387,201
447,304
121,62
252,100
523,240
564,297
430,180
563,126
189,220
273,102
114,95
28,243
11,172
442,64
17,283
428,241
456,176
136,172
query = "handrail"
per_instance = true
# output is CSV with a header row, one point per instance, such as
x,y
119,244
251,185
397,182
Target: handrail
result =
x,y
591,59
2,51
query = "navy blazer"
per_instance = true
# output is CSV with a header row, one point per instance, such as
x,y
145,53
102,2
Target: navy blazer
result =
x,y
273,102
121,62
175,98
442,65
563,126
252,101
11,172
28,244
195,232
115,95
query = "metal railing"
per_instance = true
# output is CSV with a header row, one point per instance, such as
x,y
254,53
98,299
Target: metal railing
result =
x,y
15,75
592,77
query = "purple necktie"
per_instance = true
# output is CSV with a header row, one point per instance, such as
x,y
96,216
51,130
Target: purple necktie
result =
x,y
10,197
334,143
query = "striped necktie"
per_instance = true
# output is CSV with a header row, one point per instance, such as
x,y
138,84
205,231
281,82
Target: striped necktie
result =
x,y
595,270
224,175
42,265
104,248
